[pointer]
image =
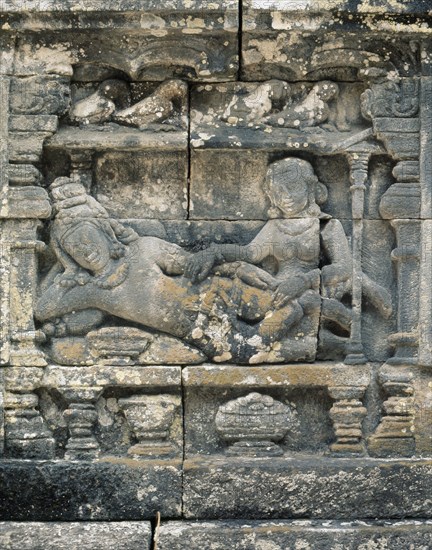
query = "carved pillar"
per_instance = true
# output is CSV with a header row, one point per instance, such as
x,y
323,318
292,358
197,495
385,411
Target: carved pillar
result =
x,y
4,293
401,204
23,277
347,415
4,137
359,174
81,417
406,257
26,434
395,433
425,312
4,246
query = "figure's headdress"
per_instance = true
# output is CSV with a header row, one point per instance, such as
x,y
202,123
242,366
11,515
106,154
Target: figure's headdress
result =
x,y
71,201
73,207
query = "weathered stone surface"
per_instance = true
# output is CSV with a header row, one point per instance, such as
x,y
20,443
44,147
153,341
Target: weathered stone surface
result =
x,y
168,39
148,184
110,490
305,390
307,39
306,488
279,535
51,536
215,264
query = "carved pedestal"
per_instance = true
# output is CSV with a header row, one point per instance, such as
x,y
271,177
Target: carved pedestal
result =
x,y
150,417
26,433
81,417
395,433
347,415
253,425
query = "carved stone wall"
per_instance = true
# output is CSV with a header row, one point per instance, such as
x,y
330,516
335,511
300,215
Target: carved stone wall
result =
x,y
216,274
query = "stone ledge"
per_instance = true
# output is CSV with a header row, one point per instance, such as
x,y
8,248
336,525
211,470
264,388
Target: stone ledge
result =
x,y
301,374
280,535
105,490
307,488
171,6
75,536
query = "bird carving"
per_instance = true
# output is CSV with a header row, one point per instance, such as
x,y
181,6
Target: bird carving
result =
x,y
155,108
313,110
100,106
249,108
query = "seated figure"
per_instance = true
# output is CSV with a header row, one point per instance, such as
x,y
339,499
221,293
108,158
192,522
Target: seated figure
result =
x,y
289,246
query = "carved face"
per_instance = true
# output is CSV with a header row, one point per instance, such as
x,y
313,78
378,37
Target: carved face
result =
x,y
291,196
88,246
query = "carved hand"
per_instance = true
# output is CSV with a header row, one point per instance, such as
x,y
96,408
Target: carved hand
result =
x,y
69,279
256,277
290,289
200,264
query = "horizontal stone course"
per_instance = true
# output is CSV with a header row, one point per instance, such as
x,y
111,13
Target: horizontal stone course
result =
x,y
281,535
75,536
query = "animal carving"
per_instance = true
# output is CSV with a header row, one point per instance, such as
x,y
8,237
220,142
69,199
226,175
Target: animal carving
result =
x,y
100,106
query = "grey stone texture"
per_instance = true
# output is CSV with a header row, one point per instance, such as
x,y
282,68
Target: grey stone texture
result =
x,y
280,535
216,274
54,536
111,489
300,487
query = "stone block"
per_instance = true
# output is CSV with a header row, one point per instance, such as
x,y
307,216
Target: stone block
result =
x,y
28,202
233,488
215,272
100,411
97,535
39,95
234,190
6,52
105,490
279,535
309,39
190,40
148,184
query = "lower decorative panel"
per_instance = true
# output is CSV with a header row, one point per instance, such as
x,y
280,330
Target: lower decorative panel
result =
x,y
75,536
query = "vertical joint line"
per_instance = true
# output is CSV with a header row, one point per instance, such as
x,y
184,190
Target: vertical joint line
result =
x,y
188,153
240,39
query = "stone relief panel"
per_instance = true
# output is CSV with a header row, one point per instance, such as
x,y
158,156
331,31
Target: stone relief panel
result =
x,y
165,216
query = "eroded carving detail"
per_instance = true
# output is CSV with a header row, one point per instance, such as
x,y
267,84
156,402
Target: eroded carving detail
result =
x,y
254,303
111,103
150,417
254,424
